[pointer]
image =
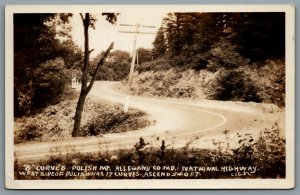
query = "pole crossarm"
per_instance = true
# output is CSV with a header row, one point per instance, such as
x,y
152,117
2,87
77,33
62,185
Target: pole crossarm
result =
x,y
145,26
137,26
122,31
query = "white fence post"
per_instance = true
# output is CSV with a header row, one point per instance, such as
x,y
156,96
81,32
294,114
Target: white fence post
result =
x,y
74,82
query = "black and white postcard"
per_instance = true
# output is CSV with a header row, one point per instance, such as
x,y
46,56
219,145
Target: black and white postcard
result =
x,y
149,96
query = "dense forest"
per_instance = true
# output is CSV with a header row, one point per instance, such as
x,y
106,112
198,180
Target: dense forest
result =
x,y
42,56
193,37
238,57
231,56
240,54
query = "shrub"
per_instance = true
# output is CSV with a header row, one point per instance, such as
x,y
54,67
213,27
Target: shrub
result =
x,y
115,121
49,83
155,65
224,54
270,77
200,61
32,132
233,85
115,68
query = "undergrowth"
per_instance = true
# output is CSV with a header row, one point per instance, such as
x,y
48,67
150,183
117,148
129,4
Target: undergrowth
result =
x,y
56,121
264,82
266,154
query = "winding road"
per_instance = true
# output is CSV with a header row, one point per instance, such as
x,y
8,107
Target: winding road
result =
x,y
177,121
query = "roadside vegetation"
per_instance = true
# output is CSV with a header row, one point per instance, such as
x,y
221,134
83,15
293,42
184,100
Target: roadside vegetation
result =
x,y
266,153
261,84
232,56
45,60
56,121
221,56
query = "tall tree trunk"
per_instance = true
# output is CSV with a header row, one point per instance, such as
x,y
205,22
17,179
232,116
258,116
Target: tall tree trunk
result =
x,y
83,92
85,89
78,115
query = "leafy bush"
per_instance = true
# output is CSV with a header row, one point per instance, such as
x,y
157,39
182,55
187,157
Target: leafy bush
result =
x,y
270,146
115,122
32,132
266,151
116,67
49,82
155,65
224,54
233,85
200,61
270,78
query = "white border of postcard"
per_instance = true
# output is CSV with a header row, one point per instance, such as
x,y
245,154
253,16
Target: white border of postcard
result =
x,y
288,182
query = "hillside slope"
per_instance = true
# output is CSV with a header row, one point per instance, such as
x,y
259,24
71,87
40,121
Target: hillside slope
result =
x,y
252,83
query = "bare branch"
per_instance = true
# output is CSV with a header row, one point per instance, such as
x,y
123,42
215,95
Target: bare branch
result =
x,y
91,51
82,18
100,63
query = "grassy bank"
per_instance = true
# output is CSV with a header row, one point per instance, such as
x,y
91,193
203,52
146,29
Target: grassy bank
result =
x,y
56,121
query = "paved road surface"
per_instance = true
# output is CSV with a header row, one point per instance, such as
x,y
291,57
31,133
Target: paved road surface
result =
x,y
175,120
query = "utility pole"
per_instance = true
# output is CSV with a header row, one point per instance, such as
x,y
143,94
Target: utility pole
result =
x,y
134,55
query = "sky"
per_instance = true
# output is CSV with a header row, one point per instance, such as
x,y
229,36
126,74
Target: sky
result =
x,y
105,33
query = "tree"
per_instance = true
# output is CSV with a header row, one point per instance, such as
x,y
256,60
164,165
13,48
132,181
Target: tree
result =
x,y
71,53
224,54
159,47
116,67
35,43
49,86
144,55
172,25
260,36
88,21
186,38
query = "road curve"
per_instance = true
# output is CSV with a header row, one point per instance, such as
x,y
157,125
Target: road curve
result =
x,y
173,120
